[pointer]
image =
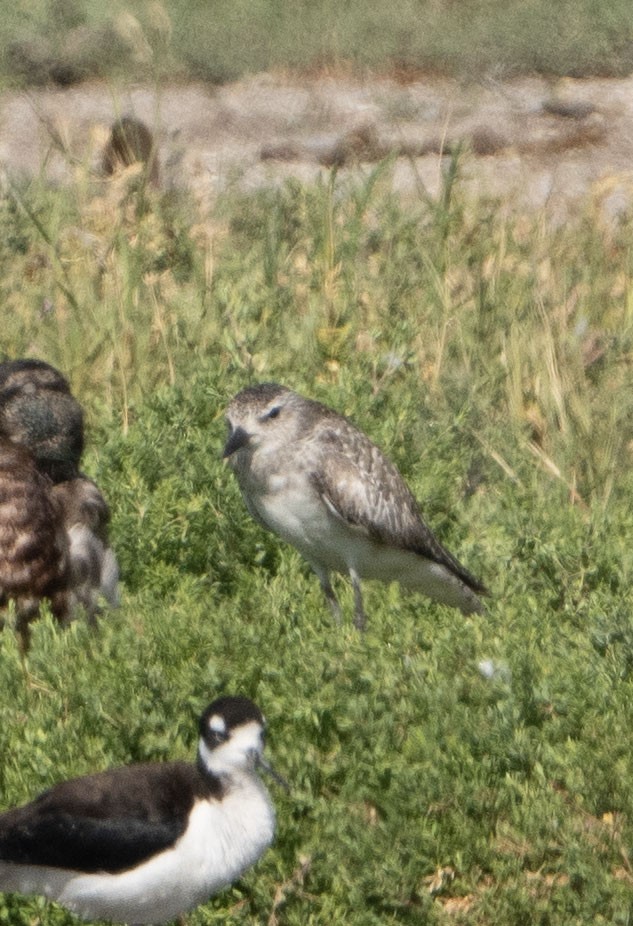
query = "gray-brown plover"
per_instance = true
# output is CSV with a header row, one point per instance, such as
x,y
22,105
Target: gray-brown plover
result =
x,y
312,477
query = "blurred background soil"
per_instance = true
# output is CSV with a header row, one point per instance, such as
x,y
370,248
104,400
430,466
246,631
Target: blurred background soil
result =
x,y
535,142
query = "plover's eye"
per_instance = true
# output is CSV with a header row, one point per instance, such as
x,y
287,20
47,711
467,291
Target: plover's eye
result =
x,y
274,412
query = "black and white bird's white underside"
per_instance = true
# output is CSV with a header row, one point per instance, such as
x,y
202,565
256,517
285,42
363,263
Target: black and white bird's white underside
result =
x,y
145,843
309,475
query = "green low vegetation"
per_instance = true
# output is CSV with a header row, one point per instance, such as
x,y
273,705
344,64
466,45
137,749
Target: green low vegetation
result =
x,y
443,770
65,41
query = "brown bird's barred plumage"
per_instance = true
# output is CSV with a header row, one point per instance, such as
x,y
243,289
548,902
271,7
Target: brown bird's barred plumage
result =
x,y
34,562
94,572
53,519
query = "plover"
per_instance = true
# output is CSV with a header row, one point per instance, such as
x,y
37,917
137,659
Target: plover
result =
x,y
312,477
145,843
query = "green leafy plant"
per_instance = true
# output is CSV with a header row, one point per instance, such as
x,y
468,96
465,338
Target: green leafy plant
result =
x,y
442,769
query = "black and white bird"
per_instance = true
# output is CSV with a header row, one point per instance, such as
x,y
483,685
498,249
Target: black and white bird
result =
x,y
144,843
309,475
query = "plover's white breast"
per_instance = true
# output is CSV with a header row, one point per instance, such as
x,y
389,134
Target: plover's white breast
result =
x,y
294,510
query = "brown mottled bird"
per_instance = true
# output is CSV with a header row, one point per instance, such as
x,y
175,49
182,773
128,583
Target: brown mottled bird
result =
x,y
34,562
94,572
312,477
131,142
51,515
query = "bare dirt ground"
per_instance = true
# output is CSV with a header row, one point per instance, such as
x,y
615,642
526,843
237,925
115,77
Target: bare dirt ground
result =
x,y
534,143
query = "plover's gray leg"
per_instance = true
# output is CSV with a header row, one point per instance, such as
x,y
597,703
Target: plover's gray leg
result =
x,y
328,591
360,618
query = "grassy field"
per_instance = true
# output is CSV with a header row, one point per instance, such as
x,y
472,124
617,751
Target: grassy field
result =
x,y
65,41
443,770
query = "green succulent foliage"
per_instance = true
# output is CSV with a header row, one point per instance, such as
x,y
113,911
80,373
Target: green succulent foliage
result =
x,y
442,769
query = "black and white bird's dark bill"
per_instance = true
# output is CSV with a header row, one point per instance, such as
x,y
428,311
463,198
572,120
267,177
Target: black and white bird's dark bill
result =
x,y
145,843
274,774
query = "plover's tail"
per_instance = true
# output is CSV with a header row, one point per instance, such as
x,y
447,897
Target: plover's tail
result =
x,y
444,585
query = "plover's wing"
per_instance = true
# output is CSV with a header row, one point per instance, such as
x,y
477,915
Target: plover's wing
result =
x,y
365,489
105,822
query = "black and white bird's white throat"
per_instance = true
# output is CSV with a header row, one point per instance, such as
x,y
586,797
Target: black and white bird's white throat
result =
x,y
143,844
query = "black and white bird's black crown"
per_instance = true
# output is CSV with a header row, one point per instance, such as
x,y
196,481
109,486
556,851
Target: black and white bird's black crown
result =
x,y
309,475
144,843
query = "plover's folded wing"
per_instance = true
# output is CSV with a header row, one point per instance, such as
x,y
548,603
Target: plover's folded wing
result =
x,y
365,489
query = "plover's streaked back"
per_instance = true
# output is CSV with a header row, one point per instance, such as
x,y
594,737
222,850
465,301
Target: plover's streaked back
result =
x,y
311,476
144,843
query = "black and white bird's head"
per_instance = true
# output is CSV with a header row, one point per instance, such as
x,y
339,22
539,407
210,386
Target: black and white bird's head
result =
x,y
231,738
261,415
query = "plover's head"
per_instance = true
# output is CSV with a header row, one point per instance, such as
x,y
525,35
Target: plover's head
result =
x,y
231,736
260,414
